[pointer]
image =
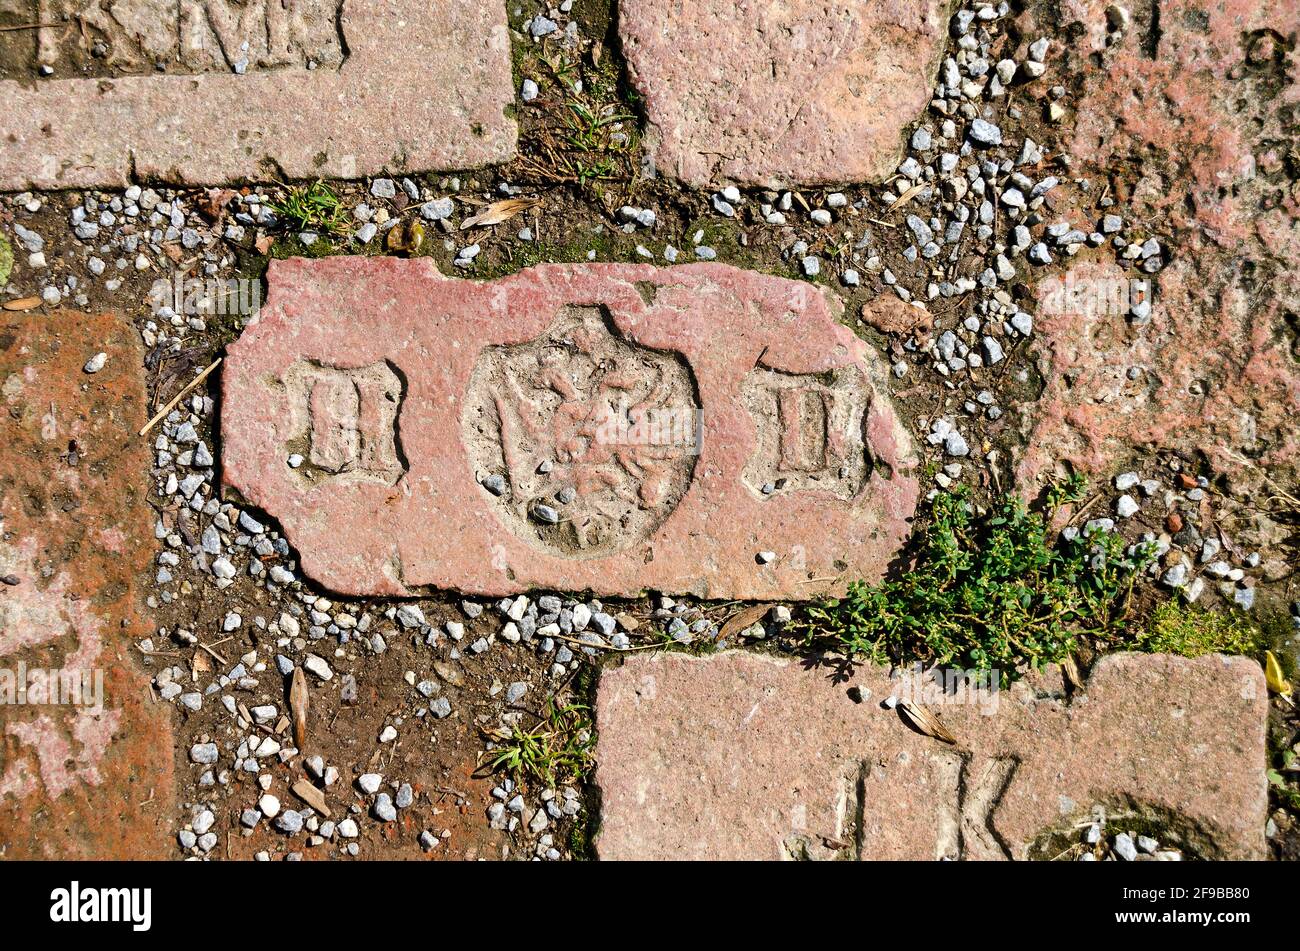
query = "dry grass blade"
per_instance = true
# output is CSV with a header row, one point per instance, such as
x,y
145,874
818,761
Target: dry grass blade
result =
x,y
908,195
499,211
742,619
22,303
171,404
925,721
1282,494
298,706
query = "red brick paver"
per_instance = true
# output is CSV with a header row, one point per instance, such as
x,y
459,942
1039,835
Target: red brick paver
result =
x,y
605,427
740,756
779,93
423,86
77,782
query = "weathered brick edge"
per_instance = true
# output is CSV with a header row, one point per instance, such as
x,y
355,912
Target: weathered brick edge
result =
x,y
424,88
743,756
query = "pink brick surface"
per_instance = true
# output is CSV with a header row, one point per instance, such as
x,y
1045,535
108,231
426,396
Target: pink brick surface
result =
x,y
449,382
424,86
741,756
780,93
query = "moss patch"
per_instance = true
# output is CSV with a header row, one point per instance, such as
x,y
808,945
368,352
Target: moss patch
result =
x,y
1193,632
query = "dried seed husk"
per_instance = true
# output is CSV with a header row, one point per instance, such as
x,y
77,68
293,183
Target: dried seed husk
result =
x,y
925,721
499,211
311,796
743,619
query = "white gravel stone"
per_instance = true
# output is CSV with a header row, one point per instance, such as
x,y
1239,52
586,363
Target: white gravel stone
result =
x,y
1125,506
408,615
983,132
318,666
1127,480
383,808
1125,848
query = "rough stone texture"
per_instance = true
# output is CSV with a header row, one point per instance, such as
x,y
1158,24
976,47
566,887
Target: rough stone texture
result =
x,y
375,112
404,390
189,36
75,782
1200,121
890,315
771,94
744,756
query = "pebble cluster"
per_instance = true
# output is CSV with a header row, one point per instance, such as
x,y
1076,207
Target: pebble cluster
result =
x,y
510,811
685,624
1098,844
150,233
209,542
1187,560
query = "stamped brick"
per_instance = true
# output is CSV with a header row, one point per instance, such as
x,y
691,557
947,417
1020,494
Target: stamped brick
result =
x,y
741,756
253,89
602,427
772,94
